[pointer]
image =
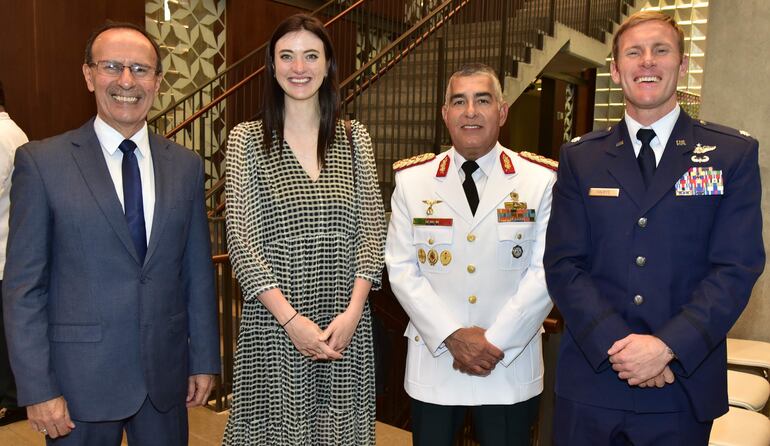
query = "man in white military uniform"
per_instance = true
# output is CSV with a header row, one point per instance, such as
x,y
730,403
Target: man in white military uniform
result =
x,y
464,255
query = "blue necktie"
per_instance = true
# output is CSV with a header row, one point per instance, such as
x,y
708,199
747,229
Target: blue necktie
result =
x,y
132,198
646,158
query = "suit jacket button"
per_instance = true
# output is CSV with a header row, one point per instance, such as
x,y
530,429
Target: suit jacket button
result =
x,y
641,261
642,222
471,269
638,299
472,299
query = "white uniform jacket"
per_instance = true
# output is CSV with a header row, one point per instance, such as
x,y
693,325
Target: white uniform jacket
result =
x,y
484,270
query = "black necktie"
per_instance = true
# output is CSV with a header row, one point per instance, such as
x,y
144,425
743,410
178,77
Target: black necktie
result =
x,y
469,186
132,198
646,158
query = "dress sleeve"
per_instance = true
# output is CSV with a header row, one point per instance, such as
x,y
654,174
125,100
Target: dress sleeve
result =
x,y
370,218
244,234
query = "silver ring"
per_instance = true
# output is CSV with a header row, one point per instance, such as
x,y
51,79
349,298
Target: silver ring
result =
x,y
44,431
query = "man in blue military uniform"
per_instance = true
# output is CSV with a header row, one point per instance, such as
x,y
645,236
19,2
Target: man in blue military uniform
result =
x,y
653,247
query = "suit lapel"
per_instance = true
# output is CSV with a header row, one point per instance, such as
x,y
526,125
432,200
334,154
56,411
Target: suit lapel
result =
x,y
450,190
673,164
90,160
498,186
623,166
162,167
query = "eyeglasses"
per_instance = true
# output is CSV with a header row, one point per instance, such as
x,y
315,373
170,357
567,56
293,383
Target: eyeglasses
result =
x,y
115,69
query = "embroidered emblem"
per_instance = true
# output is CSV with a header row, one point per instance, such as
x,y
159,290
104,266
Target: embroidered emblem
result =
x,y
421,256
540,160
507,165
698,181
443,167
680,142
413,161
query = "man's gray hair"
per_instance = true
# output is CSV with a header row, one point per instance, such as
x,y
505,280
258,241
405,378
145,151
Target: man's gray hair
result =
x,y
473,69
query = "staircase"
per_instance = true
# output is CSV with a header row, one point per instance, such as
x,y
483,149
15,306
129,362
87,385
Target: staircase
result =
x,y
402,109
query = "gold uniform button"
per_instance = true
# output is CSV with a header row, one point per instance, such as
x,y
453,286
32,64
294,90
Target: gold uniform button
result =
x,y
641,261
471,269
638,300
417,339
472,299
471,237
430,241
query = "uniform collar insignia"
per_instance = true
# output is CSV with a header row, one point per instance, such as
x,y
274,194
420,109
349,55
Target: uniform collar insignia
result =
x,y
505,162
680,142
443,167
619,143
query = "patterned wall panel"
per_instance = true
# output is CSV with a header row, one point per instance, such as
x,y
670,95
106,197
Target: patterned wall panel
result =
x,y
191,35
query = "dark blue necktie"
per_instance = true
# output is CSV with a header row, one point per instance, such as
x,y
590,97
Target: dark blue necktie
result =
x,y
646,158
469,186
132,198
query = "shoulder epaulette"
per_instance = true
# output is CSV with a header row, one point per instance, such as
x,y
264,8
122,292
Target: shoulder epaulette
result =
x,y
540,160
723,129
413,161
590,135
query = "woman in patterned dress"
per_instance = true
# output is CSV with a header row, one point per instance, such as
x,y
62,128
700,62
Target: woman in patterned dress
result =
x,y
306,231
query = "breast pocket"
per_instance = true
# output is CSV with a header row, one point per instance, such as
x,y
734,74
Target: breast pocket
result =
x,y
514,245
432,245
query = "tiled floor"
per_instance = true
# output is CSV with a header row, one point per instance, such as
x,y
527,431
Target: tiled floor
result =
x,y
206,429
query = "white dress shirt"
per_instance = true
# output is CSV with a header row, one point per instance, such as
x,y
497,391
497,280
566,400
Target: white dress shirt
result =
x,y
486,164
110,139
662,127
11,137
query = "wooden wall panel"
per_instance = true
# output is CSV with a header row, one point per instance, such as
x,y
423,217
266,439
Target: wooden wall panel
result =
x,y
41,58
251,23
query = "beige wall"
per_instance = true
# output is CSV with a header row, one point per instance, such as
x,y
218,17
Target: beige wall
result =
x,y
736,92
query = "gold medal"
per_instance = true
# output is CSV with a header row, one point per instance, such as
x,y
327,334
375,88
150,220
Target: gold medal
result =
x,y
432,257
421,255
446,257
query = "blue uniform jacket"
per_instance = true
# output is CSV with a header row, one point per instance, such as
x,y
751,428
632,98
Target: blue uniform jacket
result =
x,y
622,260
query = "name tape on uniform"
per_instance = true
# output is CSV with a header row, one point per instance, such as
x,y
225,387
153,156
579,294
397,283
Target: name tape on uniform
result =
x,y
604,192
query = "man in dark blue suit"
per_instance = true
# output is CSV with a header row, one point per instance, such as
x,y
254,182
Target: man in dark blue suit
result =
x,y
652,250
108,291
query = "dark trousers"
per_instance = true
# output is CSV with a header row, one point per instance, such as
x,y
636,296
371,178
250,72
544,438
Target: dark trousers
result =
x,y
509,425
576,424
147,427
7,384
